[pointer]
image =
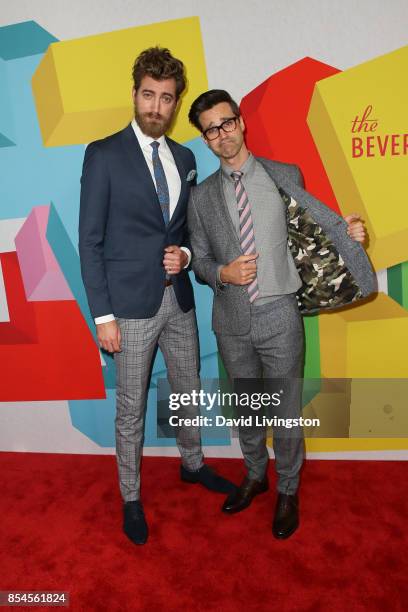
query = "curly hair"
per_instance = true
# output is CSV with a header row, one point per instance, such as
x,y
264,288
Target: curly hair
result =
x,y
159,64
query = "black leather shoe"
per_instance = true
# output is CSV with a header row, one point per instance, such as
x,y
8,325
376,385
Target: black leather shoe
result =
x,y
134,522
286,519
208,478
243,496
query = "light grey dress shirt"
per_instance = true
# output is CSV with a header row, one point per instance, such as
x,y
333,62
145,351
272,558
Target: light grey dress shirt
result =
x,y
276,270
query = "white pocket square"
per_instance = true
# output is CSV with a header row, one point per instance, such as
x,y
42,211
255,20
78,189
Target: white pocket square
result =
x,y
191,175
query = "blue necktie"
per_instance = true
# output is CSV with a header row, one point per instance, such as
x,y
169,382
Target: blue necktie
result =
x,y
161,183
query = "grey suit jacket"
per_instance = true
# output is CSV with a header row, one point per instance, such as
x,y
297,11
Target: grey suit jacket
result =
x,y
334,268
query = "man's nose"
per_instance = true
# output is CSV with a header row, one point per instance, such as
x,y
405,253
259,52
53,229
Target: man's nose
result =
x,y
223,134
156,105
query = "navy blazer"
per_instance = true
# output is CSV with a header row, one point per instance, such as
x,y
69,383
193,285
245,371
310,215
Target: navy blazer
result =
x,y
122,234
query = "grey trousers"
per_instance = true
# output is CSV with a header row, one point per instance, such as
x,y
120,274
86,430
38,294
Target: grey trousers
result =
x,y
176,334
274,347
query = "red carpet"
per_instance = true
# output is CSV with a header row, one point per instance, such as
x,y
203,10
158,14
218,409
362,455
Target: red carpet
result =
x,y
61,530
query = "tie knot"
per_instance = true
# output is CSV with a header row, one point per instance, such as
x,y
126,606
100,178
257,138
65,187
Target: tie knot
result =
x,y
155,145
236,175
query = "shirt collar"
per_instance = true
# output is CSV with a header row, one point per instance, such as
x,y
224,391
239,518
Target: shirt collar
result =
x,y
246,167
144,141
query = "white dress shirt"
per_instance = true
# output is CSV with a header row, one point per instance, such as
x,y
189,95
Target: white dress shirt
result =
x,y
172,177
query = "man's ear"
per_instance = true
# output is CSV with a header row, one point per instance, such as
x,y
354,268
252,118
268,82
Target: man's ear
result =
x,y
205,140
242,123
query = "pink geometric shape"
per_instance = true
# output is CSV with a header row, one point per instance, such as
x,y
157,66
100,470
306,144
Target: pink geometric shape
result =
x,y
42,276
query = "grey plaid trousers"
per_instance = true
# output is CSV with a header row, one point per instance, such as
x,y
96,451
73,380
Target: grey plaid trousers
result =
x,y
176,334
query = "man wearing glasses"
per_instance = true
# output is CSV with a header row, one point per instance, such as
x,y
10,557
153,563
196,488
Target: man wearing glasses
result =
x,y
270,251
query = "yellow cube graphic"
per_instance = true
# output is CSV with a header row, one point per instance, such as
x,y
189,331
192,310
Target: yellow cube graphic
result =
x,y
359,414
364,342
368,341
379,408
82,87
358,119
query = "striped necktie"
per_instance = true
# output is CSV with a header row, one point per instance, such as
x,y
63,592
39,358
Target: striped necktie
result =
x,y
246,229
162,187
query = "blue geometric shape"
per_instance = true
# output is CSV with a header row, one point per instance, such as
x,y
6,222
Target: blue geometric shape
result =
x,y
209,435
203,296
7,134
5,142
68,261
32,174
207,162
208,369
95,418
209,366
23,39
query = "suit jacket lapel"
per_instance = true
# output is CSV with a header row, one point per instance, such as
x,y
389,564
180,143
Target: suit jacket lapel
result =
x,y
279,181
221,204
291,189
183,174
139,164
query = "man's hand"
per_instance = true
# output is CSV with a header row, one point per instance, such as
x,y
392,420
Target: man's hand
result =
x,y
109,336
240,271
356,229
175,259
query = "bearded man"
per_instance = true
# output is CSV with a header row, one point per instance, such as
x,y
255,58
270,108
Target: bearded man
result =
x,y
134,253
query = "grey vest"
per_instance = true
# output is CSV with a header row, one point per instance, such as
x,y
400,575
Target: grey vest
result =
x,y
276,271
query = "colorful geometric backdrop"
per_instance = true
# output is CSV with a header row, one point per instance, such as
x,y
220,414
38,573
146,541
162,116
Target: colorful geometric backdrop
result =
x,y
346,130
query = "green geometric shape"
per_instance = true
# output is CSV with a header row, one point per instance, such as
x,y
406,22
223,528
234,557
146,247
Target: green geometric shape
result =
x,y
312,353
221,369
398,283
311,384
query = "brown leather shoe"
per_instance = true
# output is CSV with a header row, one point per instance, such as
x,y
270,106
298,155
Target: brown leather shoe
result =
x,y
243,496
286,519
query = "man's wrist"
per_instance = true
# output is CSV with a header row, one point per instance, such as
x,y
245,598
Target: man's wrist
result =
x,y
220,282
104,319
188,255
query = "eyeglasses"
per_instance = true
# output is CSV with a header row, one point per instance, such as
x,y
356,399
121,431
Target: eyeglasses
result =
x,y
228,125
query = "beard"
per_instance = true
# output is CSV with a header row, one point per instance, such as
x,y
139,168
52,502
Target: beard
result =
x,y
152,124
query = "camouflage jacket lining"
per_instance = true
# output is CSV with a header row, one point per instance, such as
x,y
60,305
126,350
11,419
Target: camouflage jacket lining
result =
x,y
326,281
